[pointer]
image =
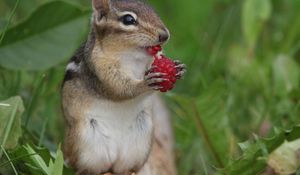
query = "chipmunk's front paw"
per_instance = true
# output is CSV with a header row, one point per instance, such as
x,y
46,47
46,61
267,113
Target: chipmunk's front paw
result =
x,y
153,80
181,69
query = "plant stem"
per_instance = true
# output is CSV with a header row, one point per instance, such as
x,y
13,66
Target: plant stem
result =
x,y
42,135
9,126
12,165
291,34
220,38
203,132
36,93
15,159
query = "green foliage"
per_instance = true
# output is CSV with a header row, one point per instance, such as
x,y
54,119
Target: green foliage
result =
x,y
242,81
286,75
255,155
204,112
11,111
44,28
284,160
58,166
35,160
255,14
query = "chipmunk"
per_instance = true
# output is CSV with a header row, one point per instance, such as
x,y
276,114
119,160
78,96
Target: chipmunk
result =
x,y
115,122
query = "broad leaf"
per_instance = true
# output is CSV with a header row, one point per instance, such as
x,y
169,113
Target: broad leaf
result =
x,y
11,111
49,36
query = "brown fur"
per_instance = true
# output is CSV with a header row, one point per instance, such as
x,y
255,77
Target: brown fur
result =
x,y
145,12
161,159
75,100
117,86
102,77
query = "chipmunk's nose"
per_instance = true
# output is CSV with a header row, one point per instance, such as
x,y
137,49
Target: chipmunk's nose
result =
x,y
164,36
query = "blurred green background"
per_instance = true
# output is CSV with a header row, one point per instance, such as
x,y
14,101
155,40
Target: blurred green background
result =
x,y
242,82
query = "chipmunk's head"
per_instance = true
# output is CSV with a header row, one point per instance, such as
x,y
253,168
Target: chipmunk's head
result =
x,y
127,24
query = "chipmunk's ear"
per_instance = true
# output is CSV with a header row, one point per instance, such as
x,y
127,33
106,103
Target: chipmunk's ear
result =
x,y
101,8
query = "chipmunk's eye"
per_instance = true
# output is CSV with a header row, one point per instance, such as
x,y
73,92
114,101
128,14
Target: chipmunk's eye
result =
x,y
129,20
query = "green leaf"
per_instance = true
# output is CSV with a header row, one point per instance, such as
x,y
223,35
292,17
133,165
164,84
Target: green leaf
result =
x,y
286,75
37,160
57,167
40,161
254,154
10,161
49,36
255,13
11,111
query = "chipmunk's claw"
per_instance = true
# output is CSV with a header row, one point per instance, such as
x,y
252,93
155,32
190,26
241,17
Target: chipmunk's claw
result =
x,y
179,65
156,87
154,79
154,75
181,69
180,75
150,70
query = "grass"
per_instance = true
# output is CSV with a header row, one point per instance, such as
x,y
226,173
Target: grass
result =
x,y
232,89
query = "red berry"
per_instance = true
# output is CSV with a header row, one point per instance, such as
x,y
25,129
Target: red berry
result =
x,y
157,48
163,65
151,51
154,50
167,66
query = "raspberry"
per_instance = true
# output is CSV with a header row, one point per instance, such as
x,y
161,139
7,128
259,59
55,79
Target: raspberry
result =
x,y
154,50
165,65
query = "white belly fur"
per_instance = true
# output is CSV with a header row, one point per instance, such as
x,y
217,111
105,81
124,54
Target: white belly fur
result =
x,y
120,138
